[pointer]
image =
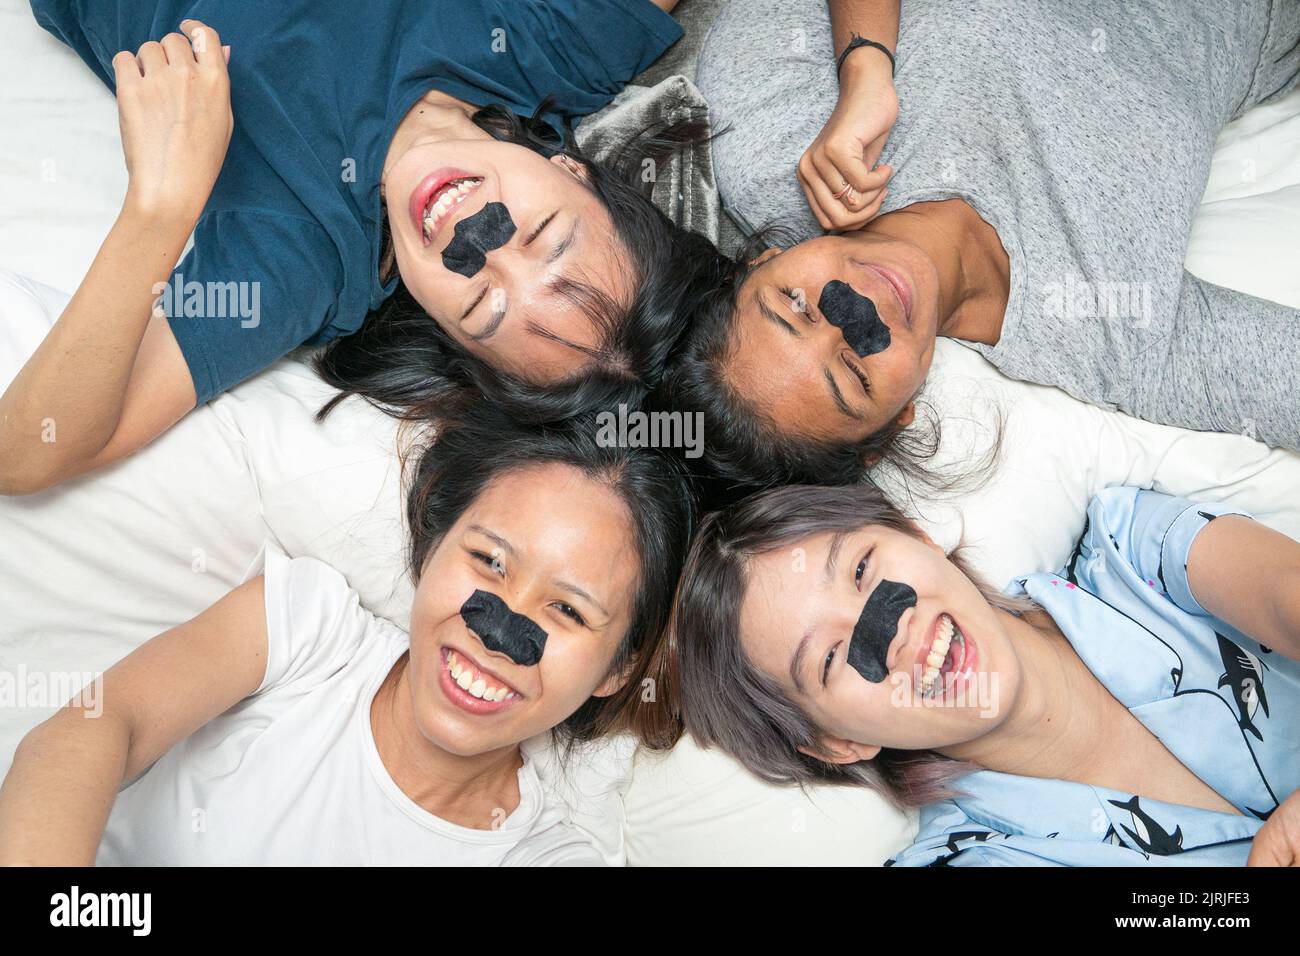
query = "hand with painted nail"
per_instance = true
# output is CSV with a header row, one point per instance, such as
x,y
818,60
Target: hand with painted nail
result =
x,y
836,172
173,99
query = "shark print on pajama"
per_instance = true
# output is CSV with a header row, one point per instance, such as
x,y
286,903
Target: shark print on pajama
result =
x,y
1227,707
1243,672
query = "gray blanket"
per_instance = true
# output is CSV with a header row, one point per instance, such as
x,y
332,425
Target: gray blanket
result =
x,y
665,93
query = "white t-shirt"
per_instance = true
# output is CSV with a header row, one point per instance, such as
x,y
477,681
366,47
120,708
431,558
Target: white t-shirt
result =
x,y
292,776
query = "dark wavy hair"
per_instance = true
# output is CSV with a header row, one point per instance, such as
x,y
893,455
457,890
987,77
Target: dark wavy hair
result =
x,y
480,444
403,362
745,451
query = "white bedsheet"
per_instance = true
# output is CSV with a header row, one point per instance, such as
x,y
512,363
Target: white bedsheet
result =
x,y
89,570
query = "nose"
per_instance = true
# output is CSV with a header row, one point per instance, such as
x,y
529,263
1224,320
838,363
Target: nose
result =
x,y
824,335
901,640
503,631
855,317
823,331
475,236
518,267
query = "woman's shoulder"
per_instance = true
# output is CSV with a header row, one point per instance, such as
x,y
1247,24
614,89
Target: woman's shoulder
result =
x,y
315,621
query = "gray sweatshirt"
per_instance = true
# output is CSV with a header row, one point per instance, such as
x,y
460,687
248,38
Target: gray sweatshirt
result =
x,y
1082,132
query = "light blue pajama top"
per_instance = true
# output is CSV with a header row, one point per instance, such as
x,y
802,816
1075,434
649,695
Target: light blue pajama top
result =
x,y
1226,706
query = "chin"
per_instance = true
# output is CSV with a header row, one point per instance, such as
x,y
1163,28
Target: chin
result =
x,y
448,734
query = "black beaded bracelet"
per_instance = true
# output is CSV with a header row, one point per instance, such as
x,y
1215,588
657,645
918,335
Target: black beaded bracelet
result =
x,y
858,41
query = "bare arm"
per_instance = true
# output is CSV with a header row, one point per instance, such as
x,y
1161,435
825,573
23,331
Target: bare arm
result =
x,y
1249,575
107,378
874,19
66,773
846,150
110,376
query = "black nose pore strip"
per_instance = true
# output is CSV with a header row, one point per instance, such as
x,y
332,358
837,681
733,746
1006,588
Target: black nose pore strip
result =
x,y
501,629
855,316
876,628
477,235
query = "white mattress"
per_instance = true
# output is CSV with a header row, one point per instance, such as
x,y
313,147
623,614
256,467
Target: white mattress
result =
x,y
89,570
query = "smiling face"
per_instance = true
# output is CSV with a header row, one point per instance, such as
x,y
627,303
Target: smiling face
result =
x,y
797,626
508,313
793,362
553,545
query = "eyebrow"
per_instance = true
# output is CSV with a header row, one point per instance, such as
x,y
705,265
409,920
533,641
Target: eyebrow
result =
x,y
775,317
838,397
495,538
833,554
493,324
564,244
796,662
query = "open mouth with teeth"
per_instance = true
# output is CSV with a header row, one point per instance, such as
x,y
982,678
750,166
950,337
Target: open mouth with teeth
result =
x,y
947,656
473,688
442,202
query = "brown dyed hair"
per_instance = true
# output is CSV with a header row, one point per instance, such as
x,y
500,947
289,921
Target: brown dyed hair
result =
x,y
729,703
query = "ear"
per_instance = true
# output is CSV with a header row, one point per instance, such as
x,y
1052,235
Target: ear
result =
x,y
614,682
926,540
837,750
766,254
901,420
573,166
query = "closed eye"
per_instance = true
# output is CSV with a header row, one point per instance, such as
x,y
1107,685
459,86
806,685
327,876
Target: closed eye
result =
x,y
540,226
493,323
473,305
826,667
794,300
493,562
866,384
568,611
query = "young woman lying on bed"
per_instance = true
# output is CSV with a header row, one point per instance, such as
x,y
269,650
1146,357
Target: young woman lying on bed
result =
x,y
1047,162
1140,706
381,176
288,725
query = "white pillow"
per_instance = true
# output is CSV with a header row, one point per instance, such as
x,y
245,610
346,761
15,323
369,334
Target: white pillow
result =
x,y
696,807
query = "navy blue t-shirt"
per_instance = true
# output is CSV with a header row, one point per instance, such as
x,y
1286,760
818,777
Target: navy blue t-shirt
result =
x,y
287,249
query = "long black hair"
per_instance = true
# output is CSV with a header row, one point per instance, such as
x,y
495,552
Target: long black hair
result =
x,y
745,451
403,362
480,443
